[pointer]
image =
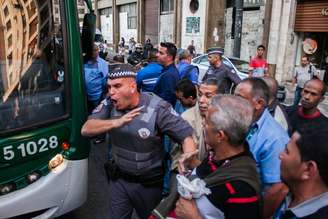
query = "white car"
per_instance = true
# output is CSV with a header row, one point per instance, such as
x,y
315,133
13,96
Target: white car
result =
x,y
238,66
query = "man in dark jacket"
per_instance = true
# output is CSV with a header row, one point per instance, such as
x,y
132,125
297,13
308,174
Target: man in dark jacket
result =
x,y
226,77
167,82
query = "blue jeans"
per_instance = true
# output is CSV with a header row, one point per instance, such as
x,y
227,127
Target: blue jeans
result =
x,y
297,97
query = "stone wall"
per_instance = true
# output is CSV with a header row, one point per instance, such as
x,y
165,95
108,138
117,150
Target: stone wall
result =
x,y
252,32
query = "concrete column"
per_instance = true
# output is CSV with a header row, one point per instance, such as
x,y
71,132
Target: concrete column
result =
x,y
116,29
141,21
274,31
267,21
177,22
283,40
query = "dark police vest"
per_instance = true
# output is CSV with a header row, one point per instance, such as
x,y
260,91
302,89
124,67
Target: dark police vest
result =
x,y
137,147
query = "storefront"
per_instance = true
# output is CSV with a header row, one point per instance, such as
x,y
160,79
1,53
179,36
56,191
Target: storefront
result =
x,y
311,23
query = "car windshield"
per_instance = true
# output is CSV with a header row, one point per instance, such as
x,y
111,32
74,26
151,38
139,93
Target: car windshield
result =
x,y
240,64
32,88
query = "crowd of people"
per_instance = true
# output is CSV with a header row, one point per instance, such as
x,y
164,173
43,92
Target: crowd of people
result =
x,y
257,157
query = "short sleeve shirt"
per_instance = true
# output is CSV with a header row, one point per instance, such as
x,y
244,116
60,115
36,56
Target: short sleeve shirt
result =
x,y
167,120
260,66
266,140
95,75
303,74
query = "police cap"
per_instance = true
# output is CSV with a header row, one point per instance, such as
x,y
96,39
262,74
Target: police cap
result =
x,y
122,71
216,50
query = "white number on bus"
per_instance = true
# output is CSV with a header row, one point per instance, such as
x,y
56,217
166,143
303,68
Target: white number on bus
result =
x,y
31,147
8,152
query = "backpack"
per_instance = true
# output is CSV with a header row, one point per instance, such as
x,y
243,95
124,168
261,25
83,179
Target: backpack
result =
x,y
187,71
312,73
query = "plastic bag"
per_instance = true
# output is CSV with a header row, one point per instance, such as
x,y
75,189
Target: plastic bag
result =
x,y
191,189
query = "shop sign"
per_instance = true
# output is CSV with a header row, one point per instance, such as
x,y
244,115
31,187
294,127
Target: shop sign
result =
x,y
324,12
310,46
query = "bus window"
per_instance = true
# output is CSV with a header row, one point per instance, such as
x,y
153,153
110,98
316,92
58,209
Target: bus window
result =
x,y
32,68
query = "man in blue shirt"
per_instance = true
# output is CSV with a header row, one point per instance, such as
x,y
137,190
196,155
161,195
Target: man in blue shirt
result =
x,y
186,70
148,76
95,75
186,93
166,84
266,138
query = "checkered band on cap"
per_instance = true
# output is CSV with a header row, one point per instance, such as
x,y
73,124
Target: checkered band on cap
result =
x,y
219,51
122,71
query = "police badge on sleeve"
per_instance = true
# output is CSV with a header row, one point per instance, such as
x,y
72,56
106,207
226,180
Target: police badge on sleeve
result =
x,y
100,106
144,133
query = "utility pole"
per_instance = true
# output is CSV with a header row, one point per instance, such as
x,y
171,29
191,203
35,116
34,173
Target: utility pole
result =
x,y
239,4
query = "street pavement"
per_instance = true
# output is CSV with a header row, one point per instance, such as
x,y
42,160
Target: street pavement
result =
x,y
97,204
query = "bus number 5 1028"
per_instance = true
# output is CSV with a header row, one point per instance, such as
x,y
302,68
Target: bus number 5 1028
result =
x,y
30,148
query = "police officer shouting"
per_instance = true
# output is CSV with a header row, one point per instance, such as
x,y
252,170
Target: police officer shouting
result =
x,y
136,123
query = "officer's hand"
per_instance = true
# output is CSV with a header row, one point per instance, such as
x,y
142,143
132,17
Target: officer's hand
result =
x,y
184,160
187,209
127,117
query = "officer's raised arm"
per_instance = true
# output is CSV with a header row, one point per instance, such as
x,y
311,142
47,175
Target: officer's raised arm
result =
x,y
94,127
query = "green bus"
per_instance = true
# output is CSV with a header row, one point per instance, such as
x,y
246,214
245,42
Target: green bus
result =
x,y
43,158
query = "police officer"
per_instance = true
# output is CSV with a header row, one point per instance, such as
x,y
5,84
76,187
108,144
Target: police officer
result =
x,y
136,123
226,77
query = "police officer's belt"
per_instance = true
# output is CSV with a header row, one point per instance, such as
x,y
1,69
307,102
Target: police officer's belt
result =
x,y
154,181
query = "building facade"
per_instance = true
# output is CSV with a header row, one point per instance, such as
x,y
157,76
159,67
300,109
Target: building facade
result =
x,y
286,27
178,21
298,28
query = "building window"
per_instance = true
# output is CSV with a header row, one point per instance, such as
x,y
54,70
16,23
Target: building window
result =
x,y
131,10
248,4
106,11
167,6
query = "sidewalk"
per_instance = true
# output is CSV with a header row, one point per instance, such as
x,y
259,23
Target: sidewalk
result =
x,y
323,106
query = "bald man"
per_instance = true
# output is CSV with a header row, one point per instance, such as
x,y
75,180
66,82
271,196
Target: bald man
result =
x,y
275,108
308,114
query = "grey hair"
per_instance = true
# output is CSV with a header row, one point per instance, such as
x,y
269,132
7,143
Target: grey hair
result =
x,y
233,115
184,54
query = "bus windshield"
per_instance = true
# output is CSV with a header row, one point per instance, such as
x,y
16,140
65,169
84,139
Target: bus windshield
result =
x,y
32,67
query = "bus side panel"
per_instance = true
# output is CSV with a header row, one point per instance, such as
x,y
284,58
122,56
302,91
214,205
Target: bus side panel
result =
x,y
60,191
